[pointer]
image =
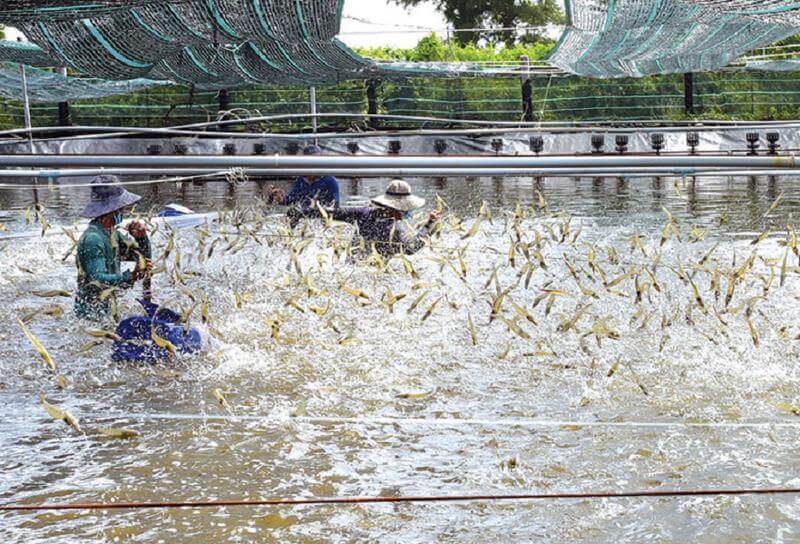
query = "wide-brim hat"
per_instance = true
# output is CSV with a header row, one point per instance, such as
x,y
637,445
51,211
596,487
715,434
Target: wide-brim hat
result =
x,y
108,196
398,197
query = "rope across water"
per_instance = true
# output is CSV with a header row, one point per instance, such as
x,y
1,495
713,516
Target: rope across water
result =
x,y
400,499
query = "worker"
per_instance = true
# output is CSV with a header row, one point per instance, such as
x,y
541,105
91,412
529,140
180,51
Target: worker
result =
x,y
102,247
386,225
308,189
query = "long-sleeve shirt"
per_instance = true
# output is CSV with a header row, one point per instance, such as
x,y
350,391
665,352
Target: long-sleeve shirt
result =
x,y
376,227
325,190
98,258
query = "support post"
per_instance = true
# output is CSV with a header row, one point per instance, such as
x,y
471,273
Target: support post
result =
x,y
688,93
26,103
450,44
313,100
223,106
28,125
63,107
63,115
527,91
224,100
372,102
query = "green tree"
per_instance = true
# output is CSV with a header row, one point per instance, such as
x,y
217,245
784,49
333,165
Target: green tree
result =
x,y
429,48
488,14
2,33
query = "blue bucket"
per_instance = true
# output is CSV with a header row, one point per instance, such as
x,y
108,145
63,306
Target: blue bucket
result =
x,y
136,342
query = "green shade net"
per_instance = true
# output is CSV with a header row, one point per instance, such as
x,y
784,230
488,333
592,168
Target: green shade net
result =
x,y
620,38
26,53
211,43
25,10
787,65
46,86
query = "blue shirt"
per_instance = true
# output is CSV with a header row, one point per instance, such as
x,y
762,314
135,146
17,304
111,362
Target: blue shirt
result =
x,y
325,190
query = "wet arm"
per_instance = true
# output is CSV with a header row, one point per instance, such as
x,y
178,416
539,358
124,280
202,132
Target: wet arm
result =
x,y
295,194
129,247
410,241
93,263
333,191
349,214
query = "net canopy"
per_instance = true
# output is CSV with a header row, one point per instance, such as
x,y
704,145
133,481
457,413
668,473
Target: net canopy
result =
x,y
620,38
46,86
787,65
214,44
204,42
23,10
26,53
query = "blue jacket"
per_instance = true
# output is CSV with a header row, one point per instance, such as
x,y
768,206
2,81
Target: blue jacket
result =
x,y
325,190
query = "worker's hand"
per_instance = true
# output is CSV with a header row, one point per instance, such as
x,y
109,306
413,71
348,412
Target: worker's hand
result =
x,y
140,273
137,229
434,217
275,194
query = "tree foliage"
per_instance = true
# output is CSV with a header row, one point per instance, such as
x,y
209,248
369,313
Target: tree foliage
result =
x,y
494,14
432,49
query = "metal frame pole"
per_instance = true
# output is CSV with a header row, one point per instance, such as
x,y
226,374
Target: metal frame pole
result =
x,y
688,93
28,124
372,102
313,99
527,91
63,106
450,45
381,172
26,104
224,100
356,163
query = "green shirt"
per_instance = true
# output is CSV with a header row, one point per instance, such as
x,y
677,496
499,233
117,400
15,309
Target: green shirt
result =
x,y
98,260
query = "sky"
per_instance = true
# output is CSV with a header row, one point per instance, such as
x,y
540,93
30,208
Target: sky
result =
x,y
395,26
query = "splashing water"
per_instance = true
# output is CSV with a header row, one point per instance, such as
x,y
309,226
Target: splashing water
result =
x,y
550,316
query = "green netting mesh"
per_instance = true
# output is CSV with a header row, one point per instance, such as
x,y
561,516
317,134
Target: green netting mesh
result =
x,y
234,43
617,38
748,95
25,10
786,65
45,86
205,42
741,94
26,53
554,99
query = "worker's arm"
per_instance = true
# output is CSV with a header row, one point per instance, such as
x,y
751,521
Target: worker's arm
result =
x,y
296,193
130,247
332,192
93,264
349,214
409,241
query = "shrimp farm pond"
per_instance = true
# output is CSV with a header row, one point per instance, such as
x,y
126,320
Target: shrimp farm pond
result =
x,y
565,335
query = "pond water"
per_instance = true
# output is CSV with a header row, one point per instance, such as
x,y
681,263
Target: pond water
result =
x,y
370,399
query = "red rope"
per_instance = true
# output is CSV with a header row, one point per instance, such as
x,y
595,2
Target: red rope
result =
x,y
410,499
